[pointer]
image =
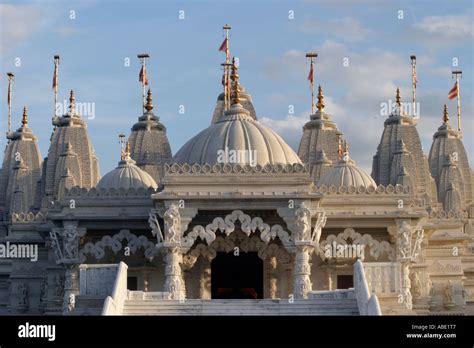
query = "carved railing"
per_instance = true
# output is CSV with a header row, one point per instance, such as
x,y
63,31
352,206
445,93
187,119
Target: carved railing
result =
x,y
383,277
97,279
368,304
113,304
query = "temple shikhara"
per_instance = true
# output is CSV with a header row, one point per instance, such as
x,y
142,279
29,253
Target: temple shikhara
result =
x,y
236,221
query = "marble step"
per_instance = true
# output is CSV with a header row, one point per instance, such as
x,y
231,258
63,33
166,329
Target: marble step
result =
x,y
241,307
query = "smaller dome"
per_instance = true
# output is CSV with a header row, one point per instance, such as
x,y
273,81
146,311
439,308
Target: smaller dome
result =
x,y
127,175
346,173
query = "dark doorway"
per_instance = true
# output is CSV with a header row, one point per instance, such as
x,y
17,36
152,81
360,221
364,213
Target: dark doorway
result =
x,y
237,276
345,281
132,283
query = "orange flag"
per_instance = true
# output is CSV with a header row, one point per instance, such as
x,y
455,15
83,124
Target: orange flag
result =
x,y
143,77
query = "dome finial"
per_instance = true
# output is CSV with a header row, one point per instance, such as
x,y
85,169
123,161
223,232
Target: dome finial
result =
x,y
72,103
149,101
445,114
320,104
127,150
24,120
235,85
398,101
122,143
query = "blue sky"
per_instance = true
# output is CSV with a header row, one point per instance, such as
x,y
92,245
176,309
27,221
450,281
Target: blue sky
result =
x,y
184,68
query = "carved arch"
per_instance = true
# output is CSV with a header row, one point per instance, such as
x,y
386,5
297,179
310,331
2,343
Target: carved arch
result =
x,y
377,248
226,225
115,243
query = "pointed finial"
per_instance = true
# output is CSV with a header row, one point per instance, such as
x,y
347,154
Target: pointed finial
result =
x,y
149,101
398,99
24,120
339,148
320,104
235,85
445,114
72,103
127,150
122,142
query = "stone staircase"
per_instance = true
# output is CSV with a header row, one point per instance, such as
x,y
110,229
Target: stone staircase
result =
x,y
316,305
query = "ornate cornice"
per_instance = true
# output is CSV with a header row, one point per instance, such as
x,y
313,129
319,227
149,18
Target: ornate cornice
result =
x,y
234,169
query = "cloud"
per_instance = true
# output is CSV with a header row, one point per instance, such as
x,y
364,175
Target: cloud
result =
x,y
18,23
348,29
447,27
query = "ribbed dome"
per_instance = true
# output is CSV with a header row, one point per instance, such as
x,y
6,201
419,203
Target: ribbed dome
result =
x,y
127,175
346,173
236,131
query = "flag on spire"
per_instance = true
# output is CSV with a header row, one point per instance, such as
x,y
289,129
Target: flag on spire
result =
x,y
310,75
143,77
223,46
453,93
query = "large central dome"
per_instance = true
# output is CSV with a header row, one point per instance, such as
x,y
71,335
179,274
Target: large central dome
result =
x,y
236,134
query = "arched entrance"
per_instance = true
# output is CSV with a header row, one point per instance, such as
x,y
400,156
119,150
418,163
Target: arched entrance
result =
x,y
237,276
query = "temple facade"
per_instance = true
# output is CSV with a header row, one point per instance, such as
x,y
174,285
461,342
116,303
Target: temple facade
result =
x,y
237,222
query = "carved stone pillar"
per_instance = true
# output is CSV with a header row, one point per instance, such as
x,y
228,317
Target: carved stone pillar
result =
x,y
305,239
205,280
302,283
71,288
146,280
273,277
408,249
174,283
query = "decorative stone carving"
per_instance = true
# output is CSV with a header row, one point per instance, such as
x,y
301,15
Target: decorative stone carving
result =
x,y
65,242
226,225
409,240
303,224
449,295
23,303
376,248
71,288
115,244
415,285
172,220
71,303
174,283
43,294
305,243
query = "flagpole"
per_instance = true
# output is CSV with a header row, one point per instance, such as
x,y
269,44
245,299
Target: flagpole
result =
x,y
227,65
312,56
413,82
10,90
458,73
56,82
143,57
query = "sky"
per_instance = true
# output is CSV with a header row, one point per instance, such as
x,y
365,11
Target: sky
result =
x,y
363,48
